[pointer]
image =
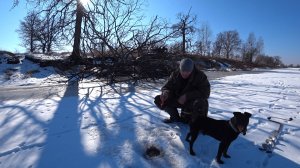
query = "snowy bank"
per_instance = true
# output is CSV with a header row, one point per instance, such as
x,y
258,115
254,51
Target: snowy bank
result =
x,y
89,125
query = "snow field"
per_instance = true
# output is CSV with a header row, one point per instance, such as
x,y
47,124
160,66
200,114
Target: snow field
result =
x,y
112,126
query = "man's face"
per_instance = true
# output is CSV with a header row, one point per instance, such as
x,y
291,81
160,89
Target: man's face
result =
x,y
184,74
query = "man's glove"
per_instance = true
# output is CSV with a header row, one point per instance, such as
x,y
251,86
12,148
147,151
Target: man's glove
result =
x,y
164,96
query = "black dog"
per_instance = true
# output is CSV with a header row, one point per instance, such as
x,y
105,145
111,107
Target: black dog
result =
x,y
222,130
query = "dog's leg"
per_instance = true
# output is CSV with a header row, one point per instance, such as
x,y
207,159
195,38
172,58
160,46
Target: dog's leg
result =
x,y
222,147
194,135
225,151
187,138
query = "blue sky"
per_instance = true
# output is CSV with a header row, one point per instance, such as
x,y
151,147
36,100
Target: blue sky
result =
x,y
276,21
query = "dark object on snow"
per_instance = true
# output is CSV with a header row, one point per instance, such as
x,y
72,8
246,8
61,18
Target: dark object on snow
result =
x,y
289,119
271,141
158,103
152,151
13,60
222,130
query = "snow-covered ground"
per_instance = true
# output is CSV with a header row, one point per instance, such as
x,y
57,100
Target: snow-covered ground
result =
x,y
91,125
26,74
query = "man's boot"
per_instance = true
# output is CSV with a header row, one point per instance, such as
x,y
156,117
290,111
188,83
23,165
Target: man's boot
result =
x,y
174,116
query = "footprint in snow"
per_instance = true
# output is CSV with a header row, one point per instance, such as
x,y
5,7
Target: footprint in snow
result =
x,y
261,110
271,105
274,100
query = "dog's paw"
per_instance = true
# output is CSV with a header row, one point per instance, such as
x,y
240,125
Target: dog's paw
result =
x,y
220,161
226,155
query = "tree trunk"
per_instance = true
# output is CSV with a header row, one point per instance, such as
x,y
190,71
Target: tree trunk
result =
x,y
44,48
183,43
250,58
31,44
183,38
49,47
75,56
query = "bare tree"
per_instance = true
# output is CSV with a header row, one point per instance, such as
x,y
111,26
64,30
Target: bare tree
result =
x,y
28,31
227,43
218,45
114,27
154,35
175,47
260,45
252,48
48,33
184,27
232,43
277,61
45,30
119,27
69,13
115,24
203,45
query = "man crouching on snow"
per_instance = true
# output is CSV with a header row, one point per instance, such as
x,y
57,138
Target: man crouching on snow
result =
x,y
187,88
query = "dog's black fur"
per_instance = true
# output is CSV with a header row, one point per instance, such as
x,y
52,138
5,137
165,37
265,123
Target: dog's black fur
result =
x,y
220,130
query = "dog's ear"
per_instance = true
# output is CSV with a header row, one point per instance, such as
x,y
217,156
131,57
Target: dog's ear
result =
x,y
247,114
236,113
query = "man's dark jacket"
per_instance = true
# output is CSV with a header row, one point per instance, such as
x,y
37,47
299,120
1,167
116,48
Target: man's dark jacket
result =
x,y
196,86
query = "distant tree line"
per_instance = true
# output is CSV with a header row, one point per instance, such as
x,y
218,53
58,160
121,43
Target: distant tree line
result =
x,y
117,28
293,66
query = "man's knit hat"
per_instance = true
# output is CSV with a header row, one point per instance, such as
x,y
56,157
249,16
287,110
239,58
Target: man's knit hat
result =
x,y
186,65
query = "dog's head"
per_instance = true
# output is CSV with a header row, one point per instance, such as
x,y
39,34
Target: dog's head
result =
x,y
240,121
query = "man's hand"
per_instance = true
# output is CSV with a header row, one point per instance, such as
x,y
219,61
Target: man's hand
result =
x,y
182,99
164,96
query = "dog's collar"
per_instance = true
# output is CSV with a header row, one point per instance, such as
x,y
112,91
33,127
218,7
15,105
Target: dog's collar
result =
x,y
233,127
